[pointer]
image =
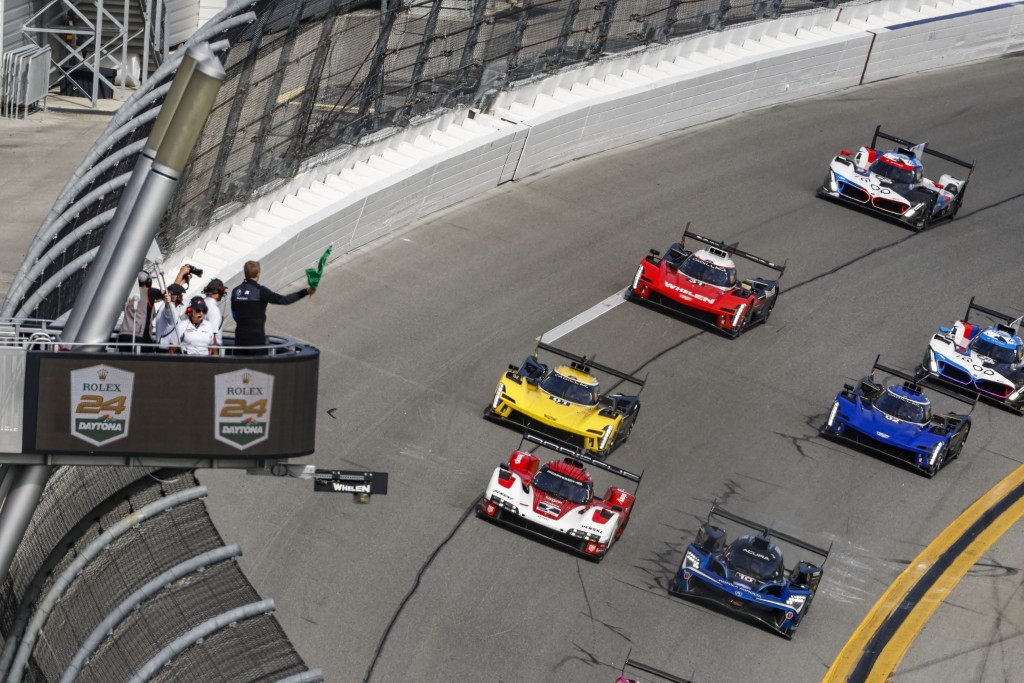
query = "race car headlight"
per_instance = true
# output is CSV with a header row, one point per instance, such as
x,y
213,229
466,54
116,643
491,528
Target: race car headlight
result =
x,y
604,439
497,396
738,315
691,560
1015,395
935,453
797,602
913,210
636,278
932,364
832,414
832,184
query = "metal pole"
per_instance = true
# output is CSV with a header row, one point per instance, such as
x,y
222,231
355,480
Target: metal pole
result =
x,y
97,48
156,193
95,277
62,582
27,484
133,601
208,627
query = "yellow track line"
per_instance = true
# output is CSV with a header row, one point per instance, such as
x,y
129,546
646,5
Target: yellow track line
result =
x,y
850,655
891,656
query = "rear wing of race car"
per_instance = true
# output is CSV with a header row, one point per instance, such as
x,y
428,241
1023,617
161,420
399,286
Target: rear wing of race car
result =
x,y
717,511
909,146
914,384
648,669
580,456
732,250
1011,327
587,364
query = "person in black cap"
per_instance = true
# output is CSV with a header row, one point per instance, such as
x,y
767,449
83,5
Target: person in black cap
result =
x,y
137,321
195,334
215,293
249,302
166,315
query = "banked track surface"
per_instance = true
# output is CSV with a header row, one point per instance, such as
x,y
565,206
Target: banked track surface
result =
x,y
416,331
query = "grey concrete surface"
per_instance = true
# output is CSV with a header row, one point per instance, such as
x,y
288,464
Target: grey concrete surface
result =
x,y
416,331
37,155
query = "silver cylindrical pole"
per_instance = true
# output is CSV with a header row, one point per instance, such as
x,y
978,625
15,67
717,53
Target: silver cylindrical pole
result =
x,y
27,484
97,273
178,137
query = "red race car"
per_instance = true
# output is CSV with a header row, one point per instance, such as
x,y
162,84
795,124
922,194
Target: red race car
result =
x,y
702,284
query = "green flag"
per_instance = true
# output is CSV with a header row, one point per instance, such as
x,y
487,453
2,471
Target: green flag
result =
x,y
313,274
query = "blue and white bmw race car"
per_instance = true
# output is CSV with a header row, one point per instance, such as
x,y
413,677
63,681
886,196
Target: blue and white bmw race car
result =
x,y
892,183
897,421
986,359
748,575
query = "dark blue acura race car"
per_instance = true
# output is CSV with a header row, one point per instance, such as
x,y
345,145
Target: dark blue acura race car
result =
x,y
749,575
897,421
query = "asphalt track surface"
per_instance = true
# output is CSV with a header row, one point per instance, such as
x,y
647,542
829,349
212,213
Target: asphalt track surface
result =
x,y
416,331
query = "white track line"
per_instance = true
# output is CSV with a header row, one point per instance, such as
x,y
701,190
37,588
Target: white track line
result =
x,y
583,318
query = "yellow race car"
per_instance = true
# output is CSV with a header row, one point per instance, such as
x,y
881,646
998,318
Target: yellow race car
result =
x,y
564,402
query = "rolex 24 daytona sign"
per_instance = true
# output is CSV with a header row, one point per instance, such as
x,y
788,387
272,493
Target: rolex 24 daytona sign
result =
x,y
101,403
242,404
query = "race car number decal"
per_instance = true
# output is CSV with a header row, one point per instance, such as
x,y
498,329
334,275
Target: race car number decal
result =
x,y
548,509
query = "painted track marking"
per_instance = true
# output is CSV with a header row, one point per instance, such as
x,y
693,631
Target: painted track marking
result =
x,y
592,313
878,644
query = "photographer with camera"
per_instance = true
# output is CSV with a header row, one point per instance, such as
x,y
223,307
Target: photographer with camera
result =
x,y
249,302
215,292
137,320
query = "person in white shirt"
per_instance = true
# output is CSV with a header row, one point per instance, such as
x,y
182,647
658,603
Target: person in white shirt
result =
x,y
166,315
215,293
195,334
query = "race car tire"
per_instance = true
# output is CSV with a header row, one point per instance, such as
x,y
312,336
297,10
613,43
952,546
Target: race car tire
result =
x,y
768,311
744,324
954,453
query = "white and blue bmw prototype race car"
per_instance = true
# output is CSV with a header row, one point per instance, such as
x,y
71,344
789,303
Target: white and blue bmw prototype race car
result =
x,y
986,359
892,182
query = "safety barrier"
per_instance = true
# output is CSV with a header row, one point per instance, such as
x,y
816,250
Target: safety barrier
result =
x,y
615,102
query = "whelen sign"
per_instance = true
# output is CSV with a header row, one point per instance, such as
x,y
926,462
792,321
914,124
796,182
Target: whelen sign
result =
x,y
167,406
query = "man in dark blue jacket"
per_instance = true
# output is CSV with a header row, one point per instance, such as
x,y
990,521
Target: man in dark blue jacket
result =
x,y
249,302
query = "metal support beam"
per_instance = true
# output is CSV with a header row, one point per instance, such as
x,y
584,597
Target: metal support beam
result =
x,y
132,602
220,622
98,545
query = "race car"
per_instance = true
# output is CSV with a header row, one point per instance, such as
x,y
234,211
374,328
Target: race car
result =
x,y
748,575
565,402
978,358
703,284
892,183
556,500
897,421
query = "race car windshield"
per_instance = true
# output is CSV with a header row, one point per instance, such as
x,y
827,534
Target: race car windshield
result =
x,y
708,272
902,409
998,353
563,487
884,168
562,387
762,566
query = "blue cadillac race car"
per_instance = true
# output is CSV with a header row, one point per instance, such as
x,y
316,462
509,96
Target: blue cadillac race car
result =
x,y
897,421
988,360
748,575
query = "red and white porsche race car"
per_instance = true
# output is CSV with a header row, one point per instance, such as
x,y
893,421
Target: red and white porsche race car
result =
x,y
556,500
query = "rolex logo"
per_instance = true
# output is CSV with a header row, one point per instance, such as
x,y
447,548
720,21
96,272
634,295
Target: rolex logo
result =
x,y
246,378
102,373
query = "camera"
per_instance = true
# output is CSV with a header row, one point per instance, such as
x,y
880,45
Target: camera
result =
x,y
192,270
